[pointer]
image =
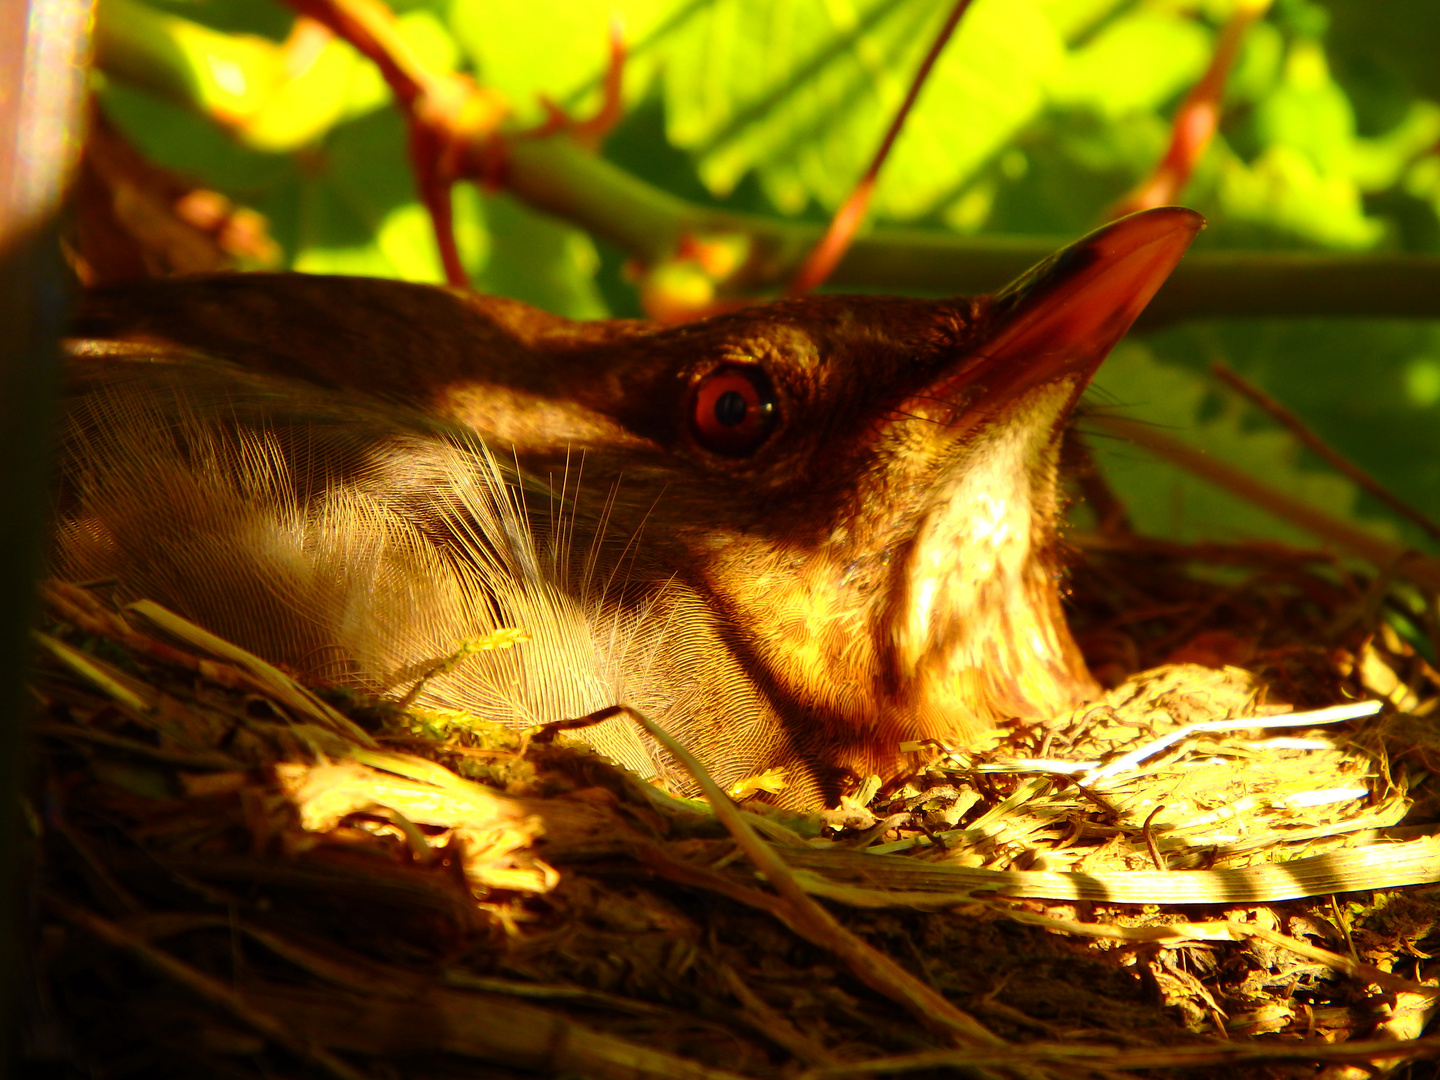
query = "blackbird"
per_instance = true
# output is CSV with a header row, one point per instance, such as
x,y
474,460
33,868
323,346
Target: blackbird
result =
x,y
797,534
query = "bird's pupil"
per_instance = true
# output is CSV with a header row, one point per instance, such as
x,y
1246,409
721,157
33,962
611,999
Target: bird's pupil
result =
x,y
730,408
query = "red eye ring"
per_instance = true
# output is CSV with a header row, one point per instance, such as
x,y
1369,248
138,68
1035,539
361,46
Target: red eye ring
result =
x,y
732,410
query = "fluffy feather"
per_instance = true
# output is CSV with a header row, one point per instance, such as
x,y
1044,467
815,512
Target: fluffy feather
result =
x,y
357,545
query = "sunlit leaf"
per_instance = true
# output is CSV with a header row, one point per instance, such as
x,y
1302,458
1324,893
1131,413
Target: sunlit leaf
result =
x,y
1137,62
1165,502
560,48
1309,112
801,93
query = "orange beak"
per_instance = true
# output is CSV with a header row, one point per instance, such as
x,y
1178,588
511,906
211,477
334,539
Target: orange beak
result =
x,y
1062,318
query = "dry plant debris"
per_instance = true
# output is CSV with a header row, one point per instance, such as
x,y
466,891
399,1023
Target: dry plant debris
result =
x,y
236,875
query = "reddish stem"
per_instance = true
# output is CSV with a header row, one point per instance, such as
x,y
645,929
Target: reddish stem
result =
x,y
453,123
1320,447
433,106
831,249
591,133
362,24
433,183
1196,121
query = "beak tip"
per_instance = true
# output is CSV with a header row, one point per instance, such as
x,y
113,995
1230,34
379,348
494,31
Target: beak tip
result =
x,y
1063,316
1171,229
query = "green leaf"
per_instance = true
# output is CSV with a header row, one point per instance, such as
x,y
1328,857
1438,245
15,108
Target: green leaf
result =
x,y
1284,190
1137,62
1364,386
1309,113
802,92
1397,38
541,261
244,82
561,50
1165,502
190,144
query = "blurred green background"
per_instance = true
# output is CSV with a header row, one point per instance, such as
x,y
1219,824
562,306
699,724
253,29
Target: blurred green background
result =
x,y
1040,114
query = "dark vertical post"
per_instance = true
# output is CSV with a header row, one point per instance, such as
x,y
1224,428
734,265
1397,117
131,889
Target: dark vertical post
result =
x,y
43,51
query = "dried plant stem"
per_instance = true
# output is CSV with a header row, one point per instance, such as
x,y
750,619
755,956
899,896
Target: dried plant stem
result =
x,y
1161,1057
1421,569
1297,427
80,608
812,921
1196,120
1232,930
204,986
823,258
775,1026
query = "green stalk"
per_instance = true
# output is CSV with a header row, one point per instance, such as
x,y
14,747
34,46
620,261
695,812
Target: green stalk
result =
x,y
179,59
563,179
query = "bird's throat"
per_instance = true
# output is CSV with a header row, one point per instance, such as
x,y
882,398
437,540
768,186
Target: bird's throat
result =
x,y
928,615
976,630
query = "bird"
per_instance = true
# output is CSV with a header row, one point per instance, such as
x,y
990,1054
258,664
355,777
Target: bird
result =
x,y
798,534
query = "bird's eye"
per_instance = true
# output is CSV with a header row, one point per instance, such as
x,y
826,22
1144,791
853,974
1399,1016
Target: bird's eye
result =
x,y
732,411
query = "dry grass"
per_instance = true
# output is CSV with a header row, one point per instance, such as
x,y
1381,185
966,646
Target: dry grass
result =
x,y
239,876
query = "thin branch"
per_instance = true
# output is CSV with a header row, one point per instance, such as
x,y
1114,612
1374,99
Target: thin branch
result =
x,y
370,27
648,223
445,111
821,261
1297,427
426,149
560,177
808,918
206,988
592,132
1422,569
1074,1054
1196,120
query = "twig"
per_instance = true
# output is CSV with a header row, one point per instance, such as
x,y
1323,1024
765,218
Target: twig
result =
x,y
1128,762
73,604
1196,120
772,1024
448,114
822,259
1297,427
817,925
558,176
453,122
1075,1054
590,133
205,987
1149,835
1263,553
1421,569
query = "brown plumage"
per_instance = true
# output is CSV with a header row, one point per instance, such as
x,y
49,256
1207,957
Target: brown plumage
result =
x,y
796,535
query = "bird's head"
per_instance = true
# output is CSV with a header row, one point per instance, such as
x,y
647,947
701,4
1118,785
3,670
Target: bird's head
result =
x,y
865,487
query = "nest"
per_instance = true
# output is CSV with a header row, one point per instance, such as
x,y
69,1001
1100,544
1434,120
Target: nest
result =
x,y
240,876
